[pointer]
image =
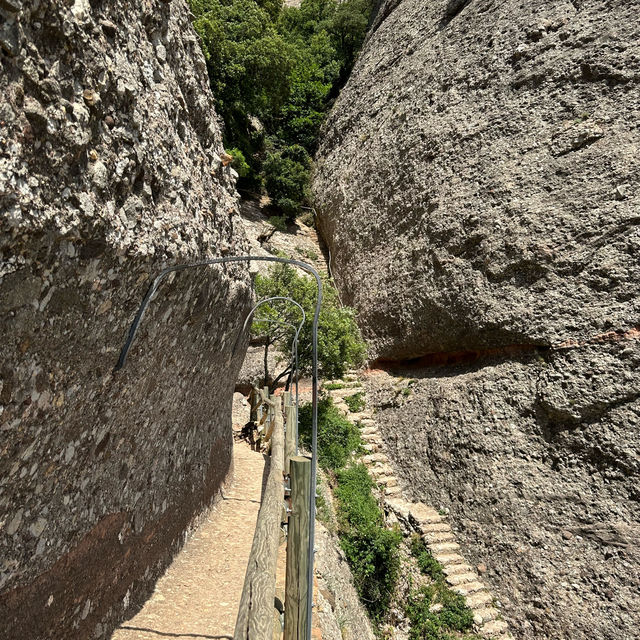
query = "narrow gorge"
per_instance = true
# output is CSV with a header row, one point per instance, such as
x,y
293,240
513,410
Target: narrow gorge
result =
x,y
469,180
477,185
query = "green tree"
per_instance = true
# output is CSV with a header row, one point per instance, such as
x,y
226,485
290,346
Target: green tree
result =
x,y
348,28
278,68
286,175
247,59
339,343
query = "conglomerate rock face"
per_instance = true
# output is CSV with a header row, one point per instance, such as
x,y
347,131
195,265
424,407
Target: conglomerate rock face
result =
x,y
478,181
538,460
478,186
109,170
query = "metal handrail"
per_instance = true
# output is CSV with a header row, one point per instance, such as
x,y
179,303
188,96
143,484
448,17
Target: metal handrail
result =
x,y
294,364
297,335
314,378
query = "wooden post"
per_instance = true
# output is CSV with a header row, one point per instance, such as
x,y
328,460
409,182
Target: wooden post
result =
x,y
274,413
295,606
289,437
287,398
254,402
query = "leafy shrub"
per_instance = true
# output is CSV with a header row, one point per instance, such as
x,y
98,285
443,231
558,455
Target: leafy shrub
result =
x,y
337,437
427,564
339,343
370,548
286,176
278,222
281,66
355,402
454,615
239,162
330,386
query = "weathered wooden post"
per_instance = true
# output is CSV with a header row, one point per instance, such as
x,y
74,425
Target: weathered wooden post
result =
x,y
254,403
289,436
297,581
275,413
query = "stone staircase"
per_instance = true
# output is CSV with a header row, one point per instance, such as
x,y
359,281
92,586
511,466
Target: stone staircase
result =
x,y
423,519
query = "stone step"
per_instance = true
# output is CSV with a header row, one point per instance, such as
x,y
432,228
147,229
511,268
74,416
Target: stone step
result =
x,y
392,491
380,470
493,628
458,569
423,514
350,389
442,535
366,422
368,430
374,458
399,506
372,447
469,587
481,616
462,578
478,599
436,527
359,417
443,547
448,558
388,481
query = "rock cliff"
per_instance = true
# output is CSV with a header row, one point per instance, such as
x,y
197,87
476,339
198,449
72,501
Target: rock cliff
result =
x,y
478,179
478,187
109,170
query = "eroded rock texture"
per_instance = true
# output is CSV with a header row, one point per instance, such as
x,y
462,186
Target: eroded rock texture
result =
x,y
478,186
537,459
478,179
109,170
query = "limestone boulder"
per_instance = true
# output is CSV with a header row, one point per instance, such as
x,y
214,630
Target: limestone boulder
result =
x,y
478,180
109,170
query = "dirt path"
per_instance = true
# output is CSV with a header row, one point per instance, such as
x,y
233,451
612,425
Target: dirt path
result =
x,y
199,594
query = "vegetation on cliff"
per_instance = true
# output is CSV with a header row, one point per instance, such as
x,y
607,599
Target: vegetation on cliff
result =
x,y
274,71
370,548
339,343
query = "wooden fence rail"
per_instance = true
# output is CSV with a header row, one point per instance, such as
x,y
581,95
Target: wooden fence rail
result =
x,y
256,611
255,619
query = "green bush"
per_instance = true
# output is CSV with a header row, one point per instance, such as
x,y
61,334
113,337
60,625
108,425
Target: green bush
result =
x,y
239,162
339,343
427,564
371,549
338,438
355,402
286,177
453,616
278,222
282,66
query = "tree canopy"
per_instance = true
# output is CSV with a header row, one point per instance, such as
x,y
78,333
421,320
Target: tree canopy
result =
x,y
339,343
274,71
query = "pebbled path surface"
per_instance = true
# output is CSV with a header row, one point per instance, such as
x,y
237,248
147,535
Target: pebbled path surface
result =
x,y
198,595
